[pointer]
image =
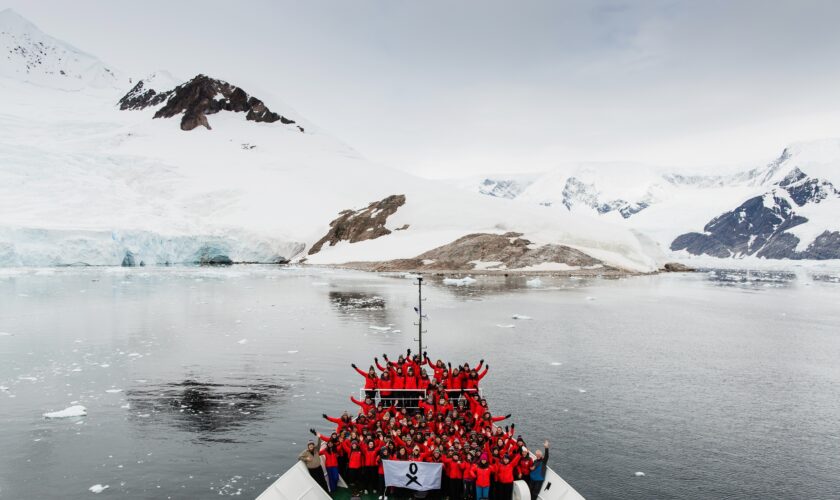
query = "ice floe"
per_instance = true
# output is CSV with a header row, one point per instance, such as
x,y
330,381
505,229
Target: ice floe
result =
x,y
536,282
520,316
242,341
380,328
506,326
98,488
639,474
113,391
71,411
467,280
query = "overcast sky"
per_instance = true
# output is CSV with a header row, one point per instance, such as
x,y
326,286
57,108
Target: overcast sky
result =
x,y
454,88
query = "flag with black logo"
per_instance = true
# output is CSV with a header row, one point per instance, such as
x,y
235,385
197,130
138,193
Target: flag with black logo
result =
x,y
420,476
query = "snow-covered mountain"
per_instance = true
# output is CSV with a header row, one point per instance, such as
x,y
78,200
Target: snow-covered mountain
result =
x,y
668,205
32,56
200,170
798,217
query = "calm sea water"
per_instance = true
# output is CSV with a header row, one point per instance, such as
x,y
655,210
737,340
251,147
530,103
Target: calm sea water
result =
x,y
722,385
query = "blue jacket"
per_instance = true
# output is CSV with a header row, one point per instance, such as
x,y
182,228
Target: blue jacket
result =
x,y
538,474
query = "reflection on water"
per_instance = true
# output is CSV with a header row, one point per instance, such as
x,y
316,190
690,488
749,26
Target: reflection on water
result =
x,y
357,300
212,411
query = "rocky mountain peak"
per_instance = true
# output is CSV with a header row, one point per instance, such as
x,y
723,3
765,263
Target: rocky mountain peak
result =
x,y
197,98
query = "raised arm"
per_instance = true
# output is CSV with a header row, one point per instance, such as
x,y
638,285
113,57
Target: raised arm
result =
x,y
482,374
361,372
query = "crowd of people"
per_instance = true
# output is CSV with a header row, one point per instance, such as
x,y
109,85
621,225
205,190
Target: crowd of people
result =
x,y
406,414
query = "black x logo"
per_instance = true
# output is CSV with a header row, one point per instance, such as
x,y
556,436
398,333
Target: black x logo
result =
x,y
412,476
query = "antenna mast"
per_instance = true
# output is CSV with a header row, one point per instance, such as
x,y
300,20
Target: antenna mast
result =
x,y
419,315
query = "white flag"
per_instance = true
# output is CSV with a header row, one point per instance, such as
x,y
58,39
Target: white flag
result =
x,y
420,476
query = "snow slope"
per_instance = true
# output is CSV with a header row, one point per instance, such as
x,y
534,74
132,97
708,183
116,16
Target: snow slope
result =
x,y
82,181
27,54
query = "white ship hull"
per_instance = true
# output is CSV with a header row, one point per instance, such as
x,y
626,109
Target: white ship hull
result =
x,y
297,484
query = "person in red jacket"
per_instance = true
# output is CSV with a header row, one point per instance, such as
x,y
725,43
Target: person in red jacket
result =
x,y
355,464
455,471
371,380
523,470
482,472
371,458
504,473
366,405
330,454
385,384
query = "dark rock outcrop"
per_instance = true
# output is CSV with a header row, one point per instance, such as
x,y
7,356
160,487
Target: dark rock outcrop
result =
x,y
199,97
360,225
140,97
759,225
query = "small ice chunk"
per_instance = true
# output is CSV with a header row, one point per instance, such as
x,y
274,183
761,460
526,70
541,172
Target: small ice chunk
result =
x,y
28,379
467,280
639,474
536,282
5,334
72,411
556,363
243,341
104,365
125,406
77,369
582,391
590,298
380,328
506,326
98,488
396,331
520,316
113,391
292,352
135,355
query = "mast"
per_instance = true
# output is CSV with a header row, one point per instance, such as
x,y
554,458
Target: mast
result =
x,y
419,315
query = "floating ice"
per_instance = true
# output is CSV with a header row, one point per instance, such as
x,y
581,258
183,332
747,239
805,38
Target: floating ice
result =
x,y
292,352
520,316
77,369
582,391
28,379
98,488
135,355
459,282
243,341
396,331
556,363
72,411
639,474
5,334
104,365
380,328
113,391
506,326
590,298
536,282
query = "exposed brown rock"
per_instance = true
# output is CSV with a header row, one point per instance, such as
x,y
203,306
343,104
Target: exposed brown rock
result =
x,y
510,249
360,225
676,267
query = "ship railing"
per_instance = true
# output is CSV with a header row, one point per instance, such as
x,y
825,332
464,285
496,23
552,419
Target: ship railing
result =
x,y
409,398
